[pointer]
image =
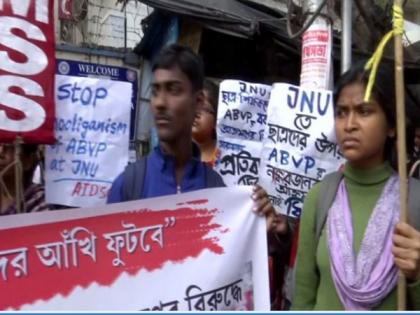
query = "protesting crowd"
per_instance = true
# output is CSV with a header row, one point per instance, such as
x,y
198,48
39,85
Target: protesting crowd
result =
x,y
350,246
344,248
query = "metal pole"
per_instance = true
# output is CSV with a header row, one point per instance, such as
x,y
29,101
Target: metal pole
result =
x,y
346,39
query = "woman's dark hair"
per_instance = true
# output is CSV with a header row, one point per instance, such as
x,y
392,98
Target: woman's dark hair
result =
x,y
185,59
383,92
213,93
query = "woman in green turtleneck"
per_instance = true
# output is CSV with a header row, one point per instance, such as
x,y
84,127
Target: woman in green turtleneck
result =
x,y
354,263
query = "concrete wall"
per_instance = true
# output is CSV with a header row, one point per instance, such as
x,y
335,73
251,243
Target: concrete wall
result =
x,y
101,37
105,24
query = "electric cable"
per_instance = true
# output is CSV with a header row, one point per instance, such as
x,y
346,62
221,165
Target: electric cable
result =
x,y
308,23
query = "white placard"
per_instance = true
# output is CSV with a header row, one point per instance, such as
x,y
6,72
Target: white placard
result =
x,y
187,252
299,145
92,130
241,120
316,72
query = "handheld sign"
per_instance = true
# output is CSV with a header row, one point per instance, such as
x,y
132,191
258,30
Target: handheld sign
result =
x,y
187,252
27,62
241,120
100,71
299,145
92,129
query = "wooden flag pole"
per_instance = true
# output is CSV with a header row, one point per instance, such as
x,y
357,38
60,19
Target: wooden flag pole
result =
x,y
401,139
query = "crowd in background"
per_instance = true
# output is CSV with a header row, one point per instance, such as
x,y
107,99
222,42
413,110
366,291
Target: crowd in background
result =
x,y
328,271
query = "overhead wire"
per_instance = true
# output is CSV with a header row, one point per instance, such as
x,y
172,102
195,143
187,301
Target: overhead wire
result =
x,y
307,24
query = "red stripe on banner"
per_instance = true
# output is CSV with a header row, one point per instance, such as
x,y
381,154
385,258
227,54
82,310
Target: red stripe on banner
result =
x,y
154,238
27,67
194,202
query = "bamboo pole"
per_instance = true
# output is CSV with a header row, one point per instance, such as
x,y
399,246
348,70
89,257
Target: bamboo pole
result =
x,y
402,150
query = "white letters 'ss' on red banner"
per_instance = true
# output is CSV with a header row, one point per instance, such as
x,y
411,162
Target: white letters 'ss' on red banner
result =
x,y
27,68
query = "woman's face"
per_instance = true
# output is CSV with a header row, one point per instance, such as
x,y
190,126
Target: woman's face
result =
x,y
361,127
205,121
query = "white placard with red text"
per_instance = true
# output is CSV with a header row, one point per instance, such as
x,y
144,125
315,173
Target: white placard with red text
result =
x,y
92,129
192,251
316,72
27,67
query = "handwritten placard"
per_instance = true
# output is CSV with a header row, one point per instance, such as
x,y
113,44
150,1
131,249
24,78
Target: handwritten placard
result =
x,y
92,129
299,145
187,252
241,120
102,71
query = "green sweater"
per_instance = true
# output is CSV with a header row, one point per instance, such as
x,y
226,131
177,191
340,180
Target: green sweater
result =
x,y
314,288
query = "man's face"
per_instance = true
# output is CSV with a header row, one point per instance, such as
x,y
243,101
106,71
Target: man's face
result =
x,y
173,103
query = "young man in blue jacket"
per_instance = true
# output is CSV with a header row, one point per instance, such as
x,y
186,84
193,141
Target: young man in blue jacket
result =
x,y
174,166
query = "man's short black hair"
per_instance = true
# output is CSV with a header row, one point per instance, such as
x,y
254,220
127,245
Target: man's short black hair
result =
x,y
185,59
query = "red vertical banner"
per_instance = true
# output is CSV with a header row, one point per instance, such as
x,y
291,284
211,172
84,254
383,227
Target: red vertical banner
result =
x,y
27,68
